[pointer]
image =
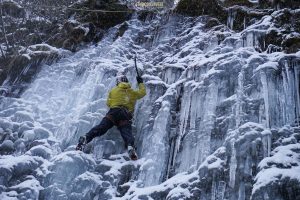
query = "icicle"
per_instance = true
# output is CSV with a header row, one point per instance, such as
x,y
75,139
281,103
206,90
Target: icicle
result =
x,y
286,67
242,191
221,190
266,140
231,18
266,97
289,94
232,165
184,121
239,107
266,196
269,142
297,95
250,39
248,165
173,138
213,188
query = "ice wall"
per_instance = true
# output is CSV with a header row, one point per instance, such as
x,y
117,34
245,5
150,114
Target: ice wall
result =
x,y
208,119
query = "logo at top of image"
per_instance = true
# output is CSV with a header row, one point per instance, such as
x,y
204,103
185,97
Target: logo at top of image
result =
x,y
153,4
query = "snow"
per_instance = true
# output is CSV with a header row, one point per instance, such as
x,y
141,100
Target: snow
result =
x,y
28,184
271,65
14,164
12,195
40,150
179,192
134,191
283,164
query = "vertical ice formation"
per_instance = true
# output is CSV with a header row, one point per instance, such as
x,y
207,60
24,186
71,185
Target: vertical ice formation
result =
x,y
266,141
197,120
155,148
240,96
232,165
297,94
221,190
242,191
218,189
214,189
280,91
266,98
231,17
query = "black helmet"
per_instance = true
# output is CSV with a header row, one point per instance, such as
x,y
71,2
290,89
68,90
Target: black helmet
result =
x,y
122,78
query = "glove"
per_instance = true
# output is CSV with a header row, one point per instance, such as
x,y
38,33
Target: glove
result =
x,y
139,79
81,143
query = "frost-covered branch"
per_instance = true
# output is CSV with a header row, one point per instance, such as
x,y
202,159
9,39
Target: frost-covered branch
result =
x,y
3,26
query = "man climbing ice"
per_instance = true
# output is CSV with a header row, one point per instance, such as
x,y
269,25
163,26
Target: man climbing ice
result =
x,y
121,101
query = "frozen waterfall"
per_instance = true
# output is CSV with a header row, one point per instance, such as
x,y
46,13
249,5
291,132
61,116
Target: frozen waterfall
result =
x,y
208,118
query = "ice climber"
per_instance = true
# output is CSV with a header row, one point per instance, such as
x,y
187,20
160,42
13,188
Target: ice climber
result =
x,y
121,101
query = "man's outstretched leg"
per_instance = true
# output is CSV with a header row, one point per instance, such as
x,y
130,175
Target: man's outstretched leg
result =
x,y
126,133
98,130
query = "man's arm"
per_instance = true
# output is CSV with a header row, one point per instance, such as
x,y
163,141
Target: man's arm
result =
x,y
141,92
108,101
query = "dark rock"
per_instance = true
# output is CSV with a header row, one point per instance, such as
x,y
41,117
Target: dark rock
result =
x,y
201,7
265,3
69,26
212,22
294,4
143,15
103,20
14,67
91,33
78,34
243,16
13,9
285,36
279,4
228,3
70,44
57,40
40,28
291,44
121,30
273,37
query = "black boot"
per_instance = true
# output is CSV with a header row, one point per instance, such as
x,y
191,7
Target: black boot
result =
x,y
132,154
81,143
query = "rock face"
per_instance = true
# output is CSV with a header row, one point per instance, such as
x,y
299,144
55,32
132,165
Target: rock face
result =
x,y
202,7
49,25
220,119
17,71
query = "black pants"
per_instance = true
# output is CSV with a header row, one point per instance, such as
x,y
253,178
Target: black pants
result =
x,y
119,117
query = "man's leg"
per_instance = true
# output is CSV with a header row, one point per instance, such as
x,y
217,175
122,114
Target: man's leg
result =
x,y
126,133
100,129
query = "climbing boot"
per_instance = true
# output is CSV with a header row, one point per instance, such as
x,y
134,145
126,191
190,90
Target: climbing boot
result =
x,y
81,143
132,154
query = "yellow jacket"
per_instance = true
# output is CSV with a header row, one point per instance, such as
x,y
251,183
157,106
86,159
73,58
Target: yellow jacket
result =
x,y
124,96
